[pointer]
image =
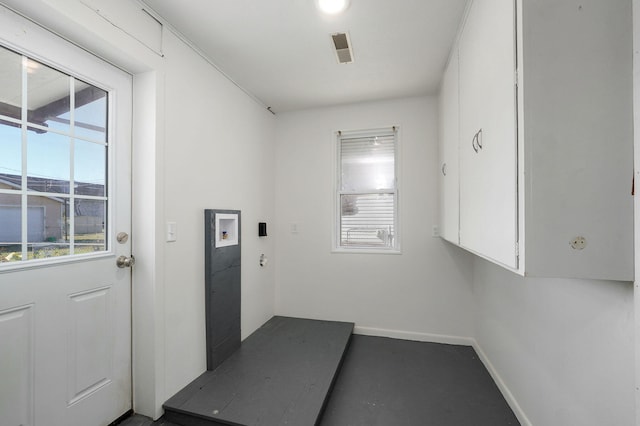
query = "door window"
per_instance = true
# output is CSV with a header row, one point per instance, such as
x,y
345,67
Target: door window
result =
x,y
54,162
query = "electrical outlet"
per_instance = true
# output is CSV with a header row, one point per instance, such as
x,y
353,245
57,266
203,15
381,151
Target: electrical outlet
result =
x,y
579,243
435,231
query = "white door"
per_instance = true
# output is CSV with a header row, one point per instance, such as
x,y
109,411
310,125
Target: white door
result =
x,y
65,307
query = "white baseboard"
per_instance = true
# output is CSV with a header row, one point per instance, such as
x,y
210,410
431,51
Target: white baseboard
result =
x,y
415,336
508,396
452,340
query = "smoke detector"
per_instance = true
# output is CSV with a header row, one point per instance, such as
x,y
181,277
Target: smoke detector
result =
x,y
342,44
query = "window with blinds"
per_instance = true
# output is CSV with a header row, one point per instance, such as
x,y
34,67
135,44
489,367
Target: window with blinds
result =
x,y
367,190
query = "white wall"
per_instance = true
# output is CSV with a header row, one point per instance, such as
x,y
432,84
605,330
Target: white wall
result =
x,y
199,142
218,154
426,291
563,347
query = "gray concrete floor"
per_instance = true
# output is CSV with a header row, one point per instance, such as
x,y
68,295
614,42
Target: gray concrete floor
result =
x,y
388,382
138,420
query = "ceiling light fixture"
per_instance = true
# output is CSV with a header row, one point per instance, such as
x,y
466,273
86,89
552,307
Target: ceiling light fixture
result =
x,y
332,7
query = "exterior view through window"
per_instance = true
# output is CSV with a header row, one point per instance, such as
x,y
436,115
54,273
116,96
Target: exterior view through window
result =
x,y
53,162
367,190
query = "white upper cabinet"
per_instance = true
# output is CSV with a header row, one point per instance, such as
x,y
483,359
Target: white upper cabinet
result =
x,y
488,140
449,181
545,137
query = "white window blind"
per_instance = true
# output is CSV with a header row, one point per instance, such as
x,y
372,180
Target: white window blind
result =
x,y
367,190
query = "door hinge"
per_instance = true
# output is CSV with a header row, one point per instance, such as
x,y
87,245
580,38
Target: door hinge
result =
x,y
517,246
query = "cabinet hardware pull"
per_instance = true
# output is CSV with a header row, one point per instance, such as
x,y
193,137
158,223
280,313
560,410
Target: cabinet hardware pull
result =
x,y
476,142
444,169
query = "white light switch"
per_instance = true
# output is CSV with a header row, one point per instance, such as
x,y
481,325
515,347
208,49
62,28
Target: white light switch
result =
x,y
172,232
294,228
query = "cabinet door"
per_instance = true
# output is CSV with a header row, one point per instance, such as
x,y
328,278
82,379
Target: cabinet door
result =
x,y
449,181
488,142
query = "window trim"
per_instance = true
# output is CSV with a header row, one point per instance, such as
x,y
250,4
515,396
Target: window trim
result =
x,y
337,192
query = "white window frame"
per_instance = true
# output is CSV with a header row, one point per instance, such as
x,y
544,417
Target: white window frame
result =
x,y
337,216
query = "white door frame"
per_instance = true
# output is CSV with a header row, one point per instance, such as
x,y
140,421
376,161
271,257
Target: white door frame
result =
x,y
636,149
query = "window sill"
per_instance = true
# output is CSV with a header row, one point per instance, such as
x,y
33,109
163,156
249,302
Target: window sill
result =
x,y
365,251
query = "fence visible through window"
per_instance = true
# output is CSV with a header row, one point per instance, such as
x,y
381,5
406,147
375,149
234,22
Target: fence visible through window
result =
x,y
367,190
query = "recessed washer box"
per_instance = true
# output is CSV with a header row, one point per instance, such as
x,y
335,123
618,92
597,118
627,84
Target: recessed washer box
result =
x,y
226,229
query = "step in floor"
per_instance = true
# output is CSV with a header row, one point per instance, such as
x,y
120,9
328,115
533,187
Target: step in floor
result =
x,y
281,375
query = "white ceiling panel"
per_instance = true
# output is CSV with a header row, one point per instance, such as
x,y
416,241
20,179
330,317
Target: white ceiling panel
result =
x,y
281,50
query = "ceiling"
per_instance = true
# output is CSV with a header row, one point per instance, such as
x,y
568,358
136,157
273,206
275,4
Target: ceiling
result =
x,y
280,51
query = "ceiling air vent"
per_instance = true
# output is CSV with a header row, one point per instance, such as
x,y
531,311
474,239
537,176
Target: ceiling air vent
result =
x,y
343,48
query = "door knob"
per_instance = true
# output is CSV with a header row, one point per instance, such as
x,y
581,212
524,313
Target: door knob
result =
x,y
125,262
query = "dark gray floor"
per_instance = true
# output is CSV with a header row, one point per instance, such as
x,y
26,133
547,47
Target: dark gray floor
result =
x,y
280,375
387,382
138,420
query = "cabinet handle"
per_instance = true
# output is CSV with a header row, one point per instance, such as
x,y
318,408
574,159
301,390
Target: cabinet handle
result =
x,y
444,169
476,142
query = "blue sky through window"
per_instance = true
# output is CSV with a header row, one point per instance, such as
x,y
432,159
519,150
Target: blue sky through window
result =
x,y
48,153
